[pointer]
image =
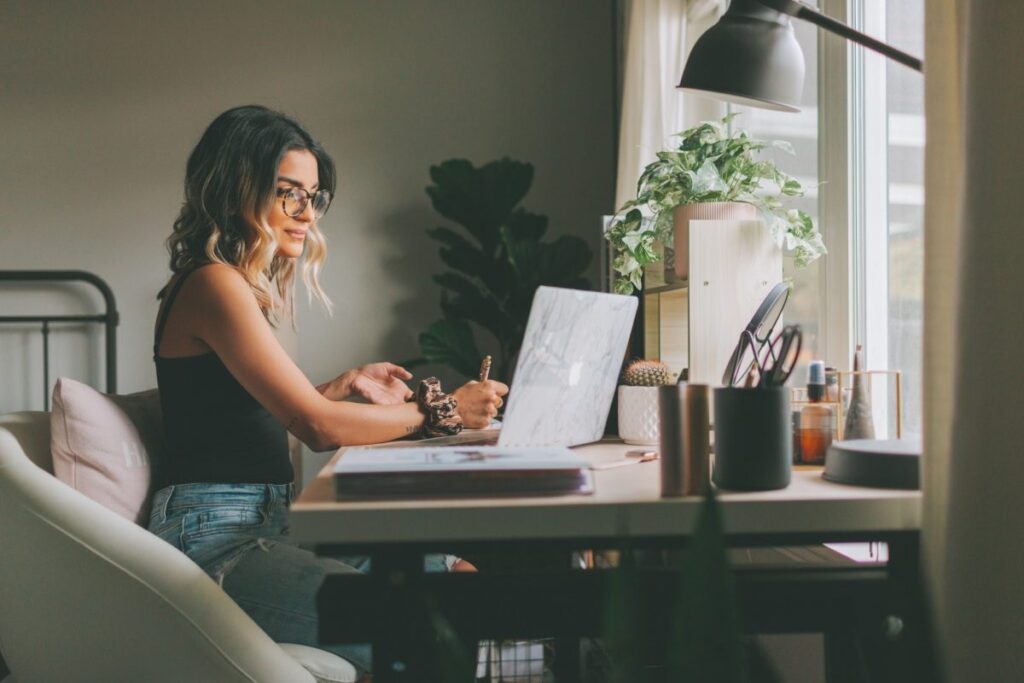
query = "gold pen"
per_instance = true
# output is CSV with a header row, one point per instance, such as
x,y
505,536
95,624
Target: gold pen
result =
x,y
485,368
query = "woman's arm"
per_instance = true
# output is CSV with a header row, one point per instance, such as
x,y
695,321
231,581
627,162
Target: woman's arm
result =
x,y
228,320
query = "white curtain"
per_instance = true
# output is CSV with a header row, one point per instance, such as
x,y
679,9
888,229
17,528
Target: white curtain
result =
x,y
974,365
659,34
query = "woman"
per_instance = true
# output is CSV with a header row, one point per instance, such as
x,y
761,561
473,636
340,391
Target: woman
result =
x,y
255,186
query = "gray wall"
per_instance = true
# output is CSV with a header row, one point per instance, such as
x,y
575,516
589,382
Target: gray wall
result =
x,y
102,102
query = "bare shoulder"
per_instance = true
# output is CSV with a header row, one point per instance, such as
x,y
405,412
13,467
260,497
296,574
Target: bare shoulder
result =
x,y
217,276
209,293
217,285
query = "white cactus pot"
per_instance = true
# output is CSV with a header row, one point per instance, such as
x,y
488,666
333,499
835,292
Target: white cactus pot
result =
x,y
638,415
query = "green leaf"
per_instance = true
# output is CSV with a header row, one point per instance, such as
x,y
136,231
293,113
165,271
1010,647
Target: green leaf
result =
x,y
707,179
455,661
792,188
705,642
632,241
459,253
623,622
468,301
451,343
568,257
450,238
623,286
760,667
523,225
479,199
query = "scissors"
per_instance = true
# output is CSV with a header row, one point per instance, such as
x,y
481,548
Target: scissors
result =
x,y
778,366
755,336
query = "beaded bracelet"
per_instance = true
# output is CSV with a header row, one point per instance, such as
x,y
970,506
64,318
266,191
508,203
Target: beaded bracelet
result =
x,y
440,409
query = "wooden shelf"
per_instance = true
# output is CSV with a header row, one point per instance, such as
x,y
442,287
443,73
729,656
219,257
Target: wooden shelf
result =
x,y
734,264
671,287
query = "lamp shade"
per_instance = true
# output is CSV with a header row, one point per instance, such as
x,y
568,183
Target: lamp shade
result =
x,y
749,57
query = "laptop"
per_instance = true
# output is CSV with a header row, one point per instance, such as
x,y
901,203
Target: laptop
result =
x,y
566,373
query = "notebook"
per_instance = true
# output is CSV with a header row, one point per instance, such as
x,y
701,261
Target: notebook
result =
x,y
566,373
456,470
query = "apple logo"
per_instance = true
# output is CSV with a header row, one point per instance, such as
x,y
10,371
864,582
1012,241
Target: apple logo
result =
x,y
575,372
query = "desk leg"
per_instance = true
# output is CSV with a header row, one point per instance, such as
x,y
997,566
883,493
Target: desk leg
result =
x,y
396,657
908,631
894,644
566,666
844,657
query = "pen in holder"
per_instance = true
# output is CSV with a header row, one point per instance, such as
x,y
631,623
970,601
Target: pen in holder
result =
x,y
753,444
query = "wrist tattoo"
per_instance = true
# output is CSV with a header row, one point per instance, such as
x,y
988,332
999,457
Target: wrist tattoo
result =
x,y
412,429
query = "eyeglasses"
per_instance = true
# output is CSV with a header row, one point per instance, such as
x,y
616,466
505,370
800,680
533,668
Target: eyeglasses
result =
x,y
295,199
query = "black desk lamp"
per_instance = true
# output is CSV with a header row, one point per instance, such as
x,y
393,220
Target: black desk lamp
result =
x,y
751,55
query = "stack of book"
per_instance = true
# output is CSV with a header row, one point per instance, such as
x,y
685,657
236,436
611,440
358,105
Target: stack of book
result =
x,y
477,471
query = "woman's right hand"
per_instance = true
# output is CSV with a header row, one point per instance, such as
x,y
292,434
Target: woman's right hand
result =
x,y
479,402
380,383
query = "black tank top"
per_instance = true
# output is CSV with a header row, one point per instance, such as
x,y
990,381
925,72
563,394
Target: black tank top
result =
x,y
214,430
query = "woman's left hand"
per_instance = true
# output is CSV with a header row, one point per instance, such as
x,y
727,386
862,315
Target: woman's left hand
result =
x,y
380,383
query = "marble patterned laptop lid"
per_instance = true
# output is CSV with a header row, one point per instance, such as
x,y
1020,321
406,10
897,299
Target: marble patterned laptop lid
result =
x,y
568,367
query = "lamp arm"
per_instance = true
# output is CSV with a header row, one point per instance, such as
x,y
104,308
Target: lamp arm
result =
x,y
802,11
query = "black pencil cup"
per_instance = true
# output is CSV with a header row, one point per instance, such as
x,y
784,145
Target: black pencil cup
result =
x,y
753,443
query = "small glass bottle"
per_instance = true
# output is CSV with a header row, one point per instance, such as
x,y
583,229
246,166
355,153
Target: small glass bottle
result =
x,y
817,419
832,385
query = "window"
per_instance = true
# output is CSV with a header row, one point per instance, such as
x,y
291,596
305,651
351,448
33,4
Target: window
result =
x,y
800,130
859,143
905,116
888,211
865,145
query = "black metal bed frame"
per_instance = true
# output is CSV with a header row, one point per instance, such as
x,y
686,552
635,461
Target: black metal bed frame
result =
x,y
109,319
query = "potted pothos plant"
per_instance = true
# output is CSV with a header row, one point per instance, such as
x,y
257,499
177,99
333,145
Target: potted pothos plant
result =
x,y
713,173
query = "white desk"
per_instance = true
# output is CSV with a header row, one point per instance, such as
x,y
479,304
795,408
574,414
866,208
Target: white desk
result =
x,y
626,504
626,510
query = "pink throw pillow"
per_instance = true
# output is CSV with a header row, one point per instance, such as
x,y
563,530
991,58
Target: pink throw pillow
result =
x,y
103,444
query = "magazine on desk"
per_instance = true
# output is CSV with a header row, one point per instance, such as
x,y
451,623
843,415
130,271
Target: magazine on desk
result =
x,y
454,470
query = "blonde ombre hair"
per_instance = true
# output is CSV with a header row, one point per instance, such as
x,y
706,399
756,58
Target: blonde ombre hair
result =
x,y
230,182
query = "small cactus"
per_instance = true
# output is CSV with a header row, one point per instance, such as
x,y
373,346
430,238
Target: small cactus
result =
x,y
646,373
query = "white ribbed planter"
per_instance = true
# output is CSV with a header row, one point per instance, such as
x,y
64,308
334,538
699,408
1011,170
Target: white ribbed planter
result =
x,y
710,211
638,415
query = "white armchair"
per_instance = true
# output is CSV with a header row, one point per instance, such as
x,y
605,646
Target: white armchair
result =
x,y
86,595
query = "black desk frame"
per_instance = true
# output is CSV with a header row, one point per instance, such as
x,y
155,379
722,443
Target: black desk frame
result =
x,y
872,616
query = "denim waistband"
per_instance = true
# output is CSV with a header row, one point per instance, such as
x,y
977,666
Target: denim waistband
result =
x,y
201,495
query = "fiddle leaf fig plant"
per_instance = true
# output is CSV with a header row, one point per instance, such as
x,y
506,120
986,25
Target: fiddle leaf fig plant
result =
x,y
710,164
496,261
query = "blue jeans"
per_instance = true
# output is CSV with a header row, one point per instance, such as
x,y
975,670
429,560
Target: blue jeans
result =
x,y
238,534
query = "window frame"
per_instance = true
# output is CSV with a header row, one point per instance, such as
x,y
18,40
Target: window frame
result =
x,y
837,196
853,148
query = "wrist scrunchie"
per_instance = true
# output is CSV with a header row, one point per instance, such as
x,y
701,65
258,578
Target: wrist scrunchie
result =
x,y
440,409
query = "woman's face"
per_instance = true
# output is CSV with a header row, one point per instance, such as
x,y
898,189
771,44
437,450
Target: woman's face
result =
x,y
297,170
